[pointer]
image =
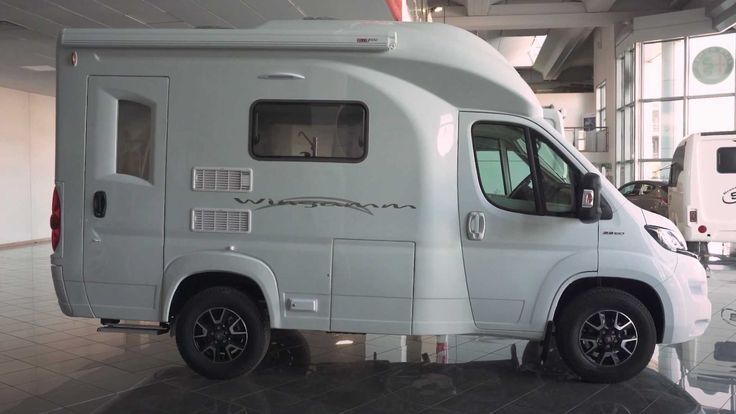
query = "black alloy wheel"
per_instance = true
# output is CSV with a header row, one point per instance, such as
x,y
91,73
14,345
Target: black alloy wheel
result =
x,y
221,333
605,335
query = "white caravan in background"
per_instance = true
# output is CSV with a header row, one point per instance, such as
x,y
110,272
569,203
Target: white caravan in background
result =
x,y
554,117
384,178
702,189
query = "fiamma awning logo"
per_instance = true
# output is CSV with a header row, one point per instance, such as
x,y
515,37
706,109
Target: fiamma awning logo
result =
x,y
729,196
367,39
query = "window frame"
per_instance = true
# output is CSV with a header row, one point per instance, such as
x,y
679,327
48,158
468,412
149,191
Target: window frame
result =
x,y
341,160
535,171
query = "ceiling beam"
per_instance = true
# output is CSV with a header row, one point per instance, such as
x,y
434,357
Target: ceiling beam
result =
x,y
543,21
598,5
557,48
723,14
477,7
536,8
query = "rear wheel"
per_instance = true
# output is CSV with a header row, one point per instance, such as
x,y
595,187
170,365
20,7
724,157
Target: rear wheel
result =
x,y
606,335
221,333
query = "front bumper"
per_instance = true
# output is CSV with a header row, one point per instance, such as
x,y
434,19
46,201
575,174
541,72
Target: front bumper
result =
x,y
689,312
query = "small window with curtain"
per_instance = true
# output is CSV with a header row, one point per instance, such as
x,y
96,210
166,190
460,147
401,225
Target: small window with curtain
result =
x,y
134,140
309,131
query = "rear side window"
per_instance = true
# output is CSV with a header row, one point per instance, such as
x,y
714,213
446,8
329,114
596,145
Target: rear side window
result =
x,y
726,160
134,144
309,131
678,165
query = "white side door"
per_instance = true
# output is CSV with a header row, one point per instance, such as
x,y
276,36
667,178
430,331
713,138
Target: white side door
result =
x,y
521,234
125,168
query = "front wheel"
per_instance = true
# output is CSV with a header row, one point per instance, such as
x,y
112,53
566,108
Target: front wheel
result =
x,y
606,335
221,333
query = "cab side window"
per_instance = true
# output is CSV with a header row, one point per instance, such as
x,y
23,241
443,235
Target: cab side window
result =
x,y
511,179
504,172
557,178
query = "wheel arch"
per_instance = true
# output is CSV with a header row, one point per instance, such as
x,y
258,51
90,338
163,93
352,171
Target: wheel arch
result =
x,y
193,272
643,291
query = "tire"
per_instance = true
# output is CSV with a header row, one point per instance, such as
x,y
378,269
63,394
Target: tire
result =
x,y
221,333
624,358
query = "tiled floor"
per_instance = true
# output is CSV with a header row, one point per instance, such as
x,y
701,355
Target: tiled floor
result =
x,y
51,363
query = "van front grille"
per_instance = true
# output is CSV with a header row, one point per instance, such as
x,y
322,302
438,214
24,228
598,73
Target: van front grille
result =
x,y
222,179
220,220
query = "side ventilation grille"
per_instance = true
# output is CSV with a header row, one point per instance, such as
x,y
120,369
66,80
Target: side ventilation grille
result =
x,y
222,179
220,220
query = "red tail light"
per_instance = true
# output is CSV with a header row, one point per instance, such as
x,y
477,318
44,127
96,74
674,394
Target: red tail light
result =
x,y
702,229
55,220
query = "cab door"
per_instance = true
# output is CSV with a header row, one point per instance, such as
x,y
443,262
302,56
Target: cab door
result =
x,y
521,235
124,195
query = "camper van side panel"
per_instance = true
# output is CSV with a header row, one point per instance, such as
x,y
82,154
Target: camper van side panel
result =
x,y
403,191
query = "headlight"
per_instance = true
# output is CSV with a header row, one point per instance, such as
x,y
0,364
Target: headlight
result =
x,y
668,239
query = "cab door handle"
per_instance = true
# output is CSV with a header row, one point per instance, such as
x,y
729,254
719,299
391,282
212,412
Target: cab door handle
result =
x,y
476,225
99,204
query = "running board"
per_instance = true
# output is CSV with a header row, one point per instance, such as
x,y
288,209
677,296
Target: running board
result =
x,y
135,329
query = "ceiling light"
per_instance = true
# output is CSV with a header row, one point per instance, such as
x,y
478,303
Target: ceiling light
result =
x,y
40,68
437,9
344,342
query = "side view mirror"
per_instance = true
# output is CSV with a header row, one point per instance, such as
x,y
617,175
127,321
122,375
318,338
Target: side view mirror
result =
x,y
589,198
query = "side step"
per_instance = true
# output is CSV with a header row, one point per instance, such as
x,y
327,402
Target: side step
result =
x,y
114,325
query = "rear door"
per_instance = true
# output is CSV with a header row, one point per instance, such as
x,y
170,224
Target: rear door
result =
x,y
718,192
124,195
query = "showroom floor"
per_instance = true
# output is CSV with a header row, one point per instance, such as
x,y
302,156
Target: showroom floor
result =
x,y
51,363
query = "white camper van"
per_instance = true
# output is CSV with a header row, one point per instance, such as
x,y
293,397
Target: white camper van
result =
x,y
344,176
702,188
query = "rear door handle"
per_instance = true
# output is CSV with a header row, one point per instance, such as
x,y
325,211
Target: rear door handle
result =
x,y
476,225
99,204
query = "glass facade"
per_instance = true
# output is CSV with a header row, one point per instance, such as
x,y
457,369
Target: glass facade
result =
x,y
625,112
600,105
684,86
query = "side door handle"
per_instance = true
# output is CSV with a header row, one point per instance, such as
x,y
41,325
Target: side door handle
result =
x,y
99,204
476,225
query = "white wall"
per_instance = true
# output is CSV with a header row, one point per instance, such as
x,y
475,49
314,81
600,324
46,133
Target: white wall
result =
x,y
26,165
575,105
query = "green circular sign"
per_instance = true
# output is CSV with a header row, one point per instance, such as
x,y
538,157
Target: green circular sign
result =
x,y
712,65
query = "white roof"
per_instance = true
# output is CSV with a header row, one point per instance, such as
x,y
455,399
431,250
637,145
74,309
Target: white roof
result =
x,y
447,61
